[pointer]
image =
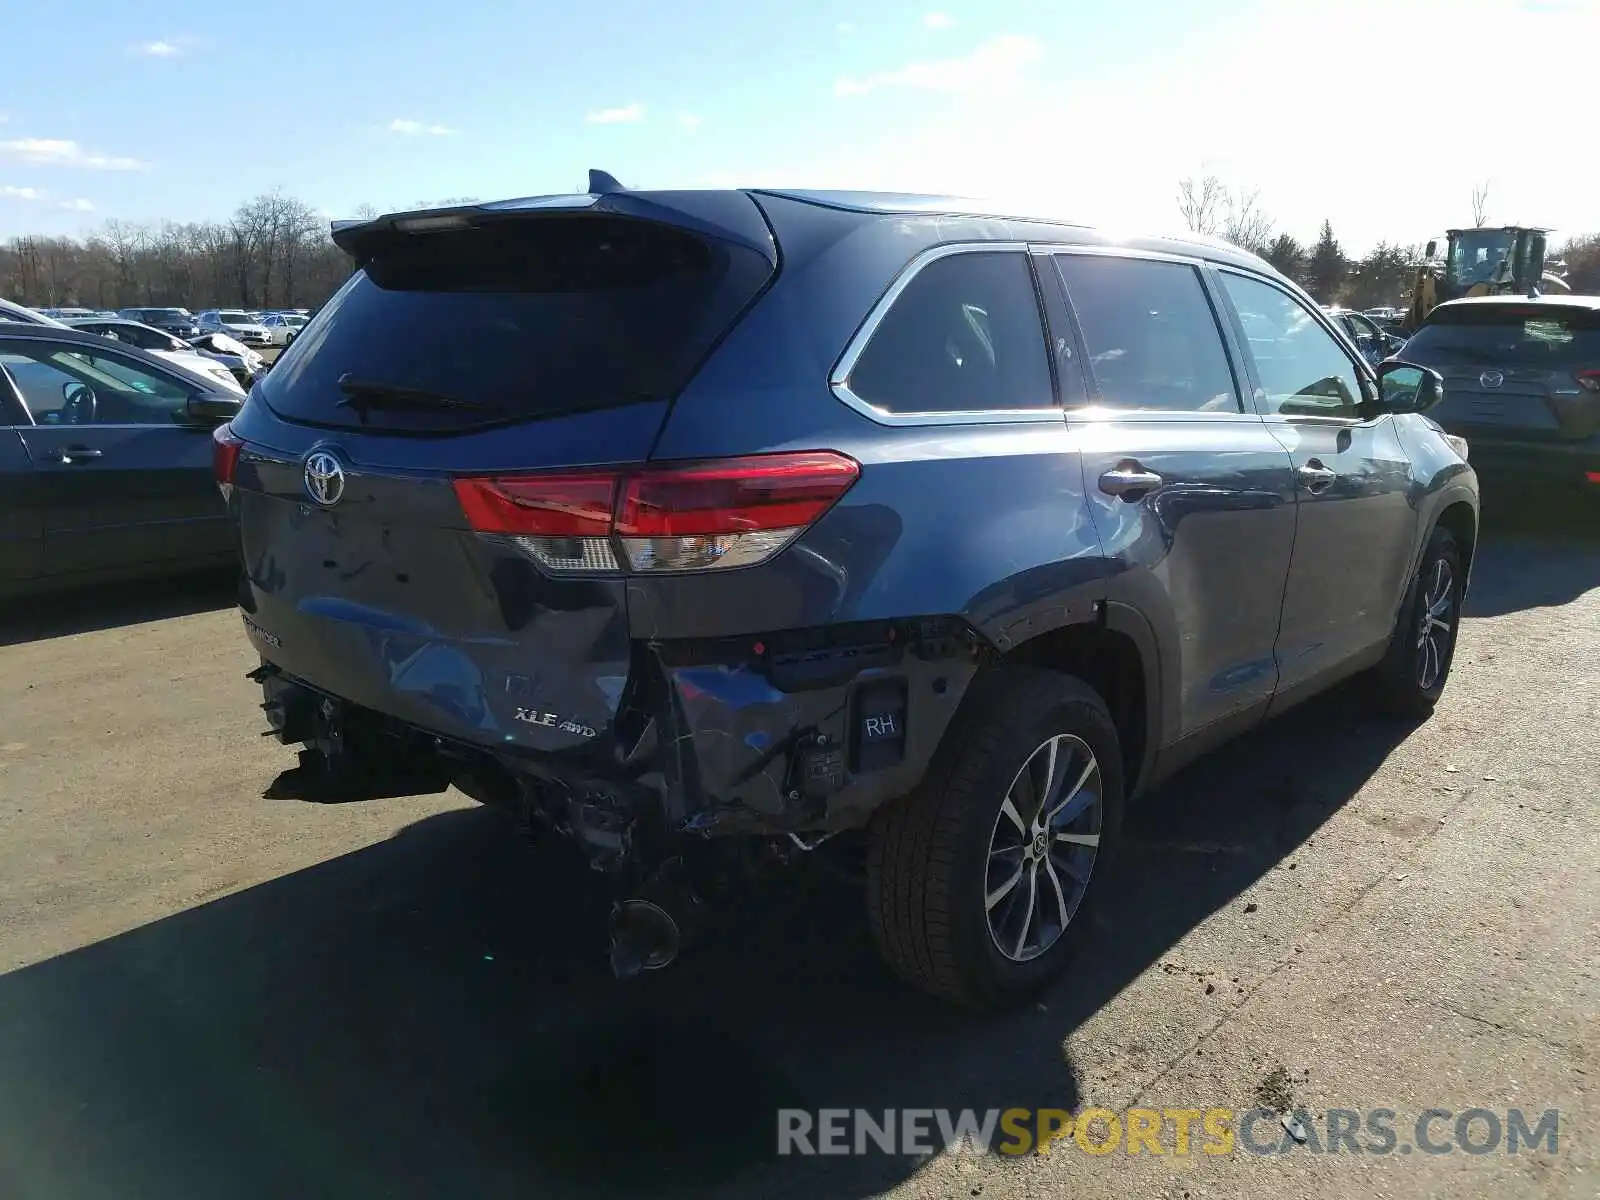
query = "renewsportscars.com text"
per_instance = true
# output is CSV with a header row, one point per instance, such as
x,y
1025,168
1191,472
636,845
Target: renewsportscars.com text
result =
x,y
1170,1131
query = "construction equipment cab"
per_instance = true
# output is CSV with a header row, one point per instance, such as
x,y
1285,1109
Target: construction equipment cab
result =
x,y
1481,262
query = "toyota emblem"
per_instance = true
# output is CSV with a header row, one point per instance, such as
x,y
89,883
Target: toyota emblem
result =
x,y
324,478
1492,379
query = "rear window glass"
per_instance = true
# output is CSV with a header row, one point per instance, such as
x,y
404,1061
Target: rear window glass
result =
x,y
1152,339
1527,336
517,319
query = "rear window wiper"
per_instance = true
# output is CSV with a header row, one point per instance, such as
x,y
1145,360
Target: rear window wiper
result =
x,y
363,394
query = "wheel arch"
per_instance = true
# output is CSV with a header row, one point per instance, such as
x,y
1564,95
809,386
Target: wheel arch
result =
x,y
1116,654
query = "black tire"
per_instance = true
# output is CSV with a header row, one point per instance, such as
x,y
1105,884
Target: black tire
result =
x,y
1413,674
929,861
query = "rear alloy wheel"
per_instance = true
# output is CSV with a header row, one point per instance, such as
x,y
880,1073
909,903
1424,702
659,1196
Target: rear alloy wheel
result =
x,y
1411,678
1043,848
981,883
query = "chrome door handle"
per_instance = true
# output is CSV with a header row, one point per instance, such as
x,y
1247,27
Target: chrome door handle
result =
x,y
72,454
1129,481
1317,478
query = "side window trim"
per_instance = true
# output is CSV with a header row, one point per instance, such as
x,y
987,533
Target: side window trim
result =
x,y
14,412
1220,316
1063,335
839,377
1359,365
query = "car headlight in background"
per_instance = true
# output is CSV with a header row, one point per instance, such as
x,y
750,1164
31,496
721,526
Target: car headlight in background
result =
x,y
1458,444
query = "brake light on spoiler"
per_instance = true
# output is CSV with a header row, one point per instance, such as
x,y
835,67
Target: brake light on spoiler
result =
x,y
730,512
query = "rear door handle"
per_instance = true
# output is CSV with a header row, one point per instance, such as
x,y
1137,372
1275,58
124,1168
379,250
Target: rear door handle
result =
x,y
1129,481
72,454
1316,478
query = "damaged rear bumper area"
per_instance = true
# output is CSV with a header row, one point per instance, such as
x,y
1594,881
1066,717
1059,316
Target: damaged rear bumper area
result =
x,y
793,736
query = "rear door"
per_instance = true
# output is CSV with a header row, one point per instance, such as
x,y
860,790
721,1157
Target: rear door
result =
x,y
1356,527
484,346
1187,488
122,480
1515,371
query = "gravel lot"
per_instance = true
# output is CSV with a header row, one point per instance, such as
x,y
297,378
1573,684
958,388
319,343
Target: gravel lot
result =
x,y
206,993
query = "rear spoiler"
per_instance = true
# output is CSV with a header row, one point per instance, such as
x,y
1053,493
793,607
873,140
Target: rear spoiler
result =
x,y
729,216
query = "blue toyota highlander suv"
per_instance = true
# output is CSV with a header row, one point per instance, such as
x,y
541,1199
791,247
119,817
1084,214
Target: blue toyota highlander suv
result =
x,y
689,524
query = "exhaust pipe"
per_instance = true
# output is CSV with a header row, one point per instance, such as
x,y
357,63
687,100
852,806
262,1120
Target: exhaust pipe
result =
x,y
651,927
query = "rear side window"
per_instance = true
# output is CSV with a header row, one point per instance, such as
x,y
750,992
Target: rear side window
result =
x,y
965,335
1521,335
1152,338
519,319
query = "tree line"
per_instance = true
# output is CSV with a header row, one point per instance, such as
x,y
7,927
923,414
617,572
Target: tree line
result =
x,y
1382,277
275,252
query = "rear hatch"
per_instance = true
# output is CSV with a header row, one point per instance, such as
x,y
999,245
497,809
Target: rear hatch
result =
x,y
1514,371
534,336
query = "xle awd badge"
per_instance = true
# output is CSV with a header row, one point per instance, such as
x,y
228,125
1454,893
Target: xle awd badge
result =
x,y
550,720
324,478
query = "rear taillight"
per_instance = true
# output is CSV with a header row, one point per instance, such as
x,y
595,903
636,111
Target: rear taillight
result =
x,y
1588,380
732,512
225,447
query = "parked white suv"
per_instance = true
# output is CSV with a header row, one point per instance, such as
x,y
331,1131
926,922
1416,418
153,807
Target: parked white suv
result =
x,y
282,327
236,323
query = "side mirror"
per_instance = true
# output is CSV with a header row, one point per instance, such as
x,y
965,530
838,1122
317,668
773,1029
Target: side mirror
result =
x,y
1404,388
212,408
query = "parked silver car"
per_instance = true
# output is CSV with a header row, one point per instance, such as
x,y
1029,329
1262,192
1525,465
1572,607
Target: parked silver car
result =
x,y
238,324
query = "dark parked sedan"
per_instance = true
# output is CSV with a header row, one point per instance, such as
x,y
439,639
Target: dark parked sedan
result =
x,y
105,462
1522,383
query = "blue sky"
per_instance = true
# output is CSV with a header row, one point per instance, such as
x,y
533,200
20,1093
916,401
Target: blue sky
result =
x,y
1089,110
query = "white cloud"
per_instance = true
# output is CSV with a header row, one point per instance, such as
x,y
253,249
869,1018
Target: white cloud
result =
x,y
939,20
616,116
78,204
1197,106
59,152
408,128
689,121
995,68
22,193
167,47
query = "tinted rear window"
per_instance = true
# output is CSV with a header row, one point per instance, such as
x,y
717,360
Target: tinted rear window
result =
x,y
526,317
1521,335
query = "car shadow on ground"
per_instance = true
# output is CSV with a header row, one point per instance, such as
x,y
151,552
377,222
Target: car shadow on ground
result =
x,y
1538,552
111,606
431,1016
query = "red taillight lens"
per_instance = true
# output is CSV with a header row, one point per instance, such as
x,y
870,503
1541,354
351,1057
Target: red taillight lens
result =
x,y
1589,380
735,495
225,447
554,505
682,517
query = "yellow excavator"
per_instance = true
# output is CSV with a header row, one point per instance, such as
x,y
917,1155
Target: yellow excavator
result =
x,y
1508,260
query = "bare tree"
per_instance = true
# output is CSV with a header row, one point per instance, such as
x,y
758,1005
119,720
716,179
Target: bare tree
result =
x,y
1202,203
1480,205
1243,222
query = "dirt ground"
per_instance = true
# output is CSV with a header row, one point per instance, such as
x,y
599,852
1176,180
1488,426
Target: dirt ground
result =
x,y
205,993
